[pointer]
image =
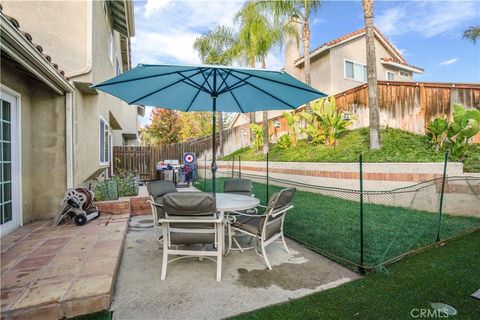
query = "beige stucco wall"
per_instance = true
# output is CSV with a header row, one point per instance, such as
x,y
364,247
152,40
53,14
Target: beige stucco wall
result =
x,y
63,28
43,143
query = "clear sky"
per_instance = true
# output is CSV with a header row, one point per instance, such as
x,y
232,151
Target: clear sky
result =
x,y
428,33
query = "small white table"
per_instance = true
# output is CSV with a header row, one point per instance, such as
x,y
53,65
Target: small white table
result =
x,y
227,202
235,202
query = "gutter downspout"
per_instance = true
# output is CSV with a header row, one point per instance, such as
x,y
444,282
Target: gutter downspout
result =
x,y
88,63
69,137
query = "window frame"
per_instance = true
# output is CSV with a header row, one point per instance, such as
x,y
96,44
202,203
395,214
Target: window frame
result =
x,y
400,74
354,63
392,73
111,47
102,150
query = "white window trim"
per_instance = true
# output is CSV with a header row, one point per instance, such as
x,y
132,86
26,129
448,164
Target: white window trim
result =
x,y
105,163
345,70
17,159
391,73
111,46
400,74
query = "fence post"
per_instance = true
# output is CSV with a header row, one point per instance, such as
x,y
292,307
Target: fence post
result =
x,y
239,167
441,197
266,197
205,174
233,165
360,268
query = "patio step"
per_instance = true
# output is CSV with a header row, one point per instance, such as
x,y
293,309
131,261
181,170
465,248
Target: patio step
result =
x,y
52,272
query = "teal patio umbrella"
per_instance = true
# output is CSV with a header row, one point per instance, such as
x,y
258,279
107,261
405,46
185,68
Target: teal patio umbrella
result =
x,y
209,88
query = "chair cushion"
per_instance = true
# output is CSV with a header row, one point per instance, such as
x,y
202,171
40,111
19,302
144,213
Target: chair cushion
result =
x,y
177,238
189,204
249,224
238,186
160,188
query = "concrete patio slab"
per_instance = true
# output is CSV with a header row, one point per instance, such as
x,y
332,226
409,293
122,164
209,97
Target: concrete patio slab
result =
x,y
191,292
54,272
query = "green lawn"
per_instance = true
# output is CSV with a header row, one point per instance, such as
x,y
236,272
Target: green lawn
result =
x,y
398,146
331,225
447,273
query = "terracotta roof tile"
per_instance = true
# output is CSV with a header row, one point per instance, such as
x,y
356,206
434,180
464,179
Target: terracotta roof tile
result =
x,y
29,38
388,59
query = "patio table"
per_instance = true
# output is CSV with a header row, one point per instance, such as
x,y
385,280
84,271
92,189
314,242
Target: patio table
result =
x,y
227,202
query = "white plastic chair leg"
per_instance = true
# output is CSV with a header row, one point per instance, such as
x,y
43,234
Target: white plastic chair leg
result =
x,y
264,254
285,244
165,255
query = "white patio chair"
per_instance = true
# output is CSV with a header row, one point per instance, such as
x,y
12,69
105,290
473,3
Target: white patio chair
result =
x,y
191,218
265,228
156,190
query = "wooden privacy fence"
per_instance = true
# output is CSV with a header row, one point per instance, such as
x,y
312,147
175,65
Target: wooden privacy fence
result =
x,y
403,105
409,105
144,159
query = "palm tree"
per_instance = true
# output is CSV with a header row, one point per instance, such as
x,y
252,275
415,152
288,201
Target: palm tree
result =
x,y
258,34
472,34
374,113
217,46
284,10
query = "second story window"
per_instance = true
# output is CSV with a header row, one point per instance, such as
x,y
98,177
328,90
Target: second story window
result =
x,y
390,76
355,71
111,53
404,74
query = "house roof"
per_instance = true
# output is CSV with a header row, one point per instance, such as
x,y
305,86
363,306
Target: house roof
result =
x,y
27,36
352,35
394,61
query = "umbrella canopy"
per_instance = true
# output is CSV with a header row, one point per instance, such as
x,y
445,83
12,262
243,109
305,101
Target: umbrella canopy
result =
x,y
209,88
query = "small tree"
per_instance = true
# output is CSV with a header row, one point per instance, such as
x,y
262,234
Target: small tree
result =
x,y
436,131
257,136
165,127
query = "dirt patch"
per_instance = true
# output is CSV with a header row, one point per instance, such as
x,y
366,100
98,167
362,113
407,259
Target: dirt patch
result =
x,y
288,276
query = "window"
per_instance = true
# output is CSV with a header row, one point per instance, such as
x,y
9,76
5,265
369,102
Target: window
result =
x,y
110,47
104,142
355,71
117,67
390,76
404,74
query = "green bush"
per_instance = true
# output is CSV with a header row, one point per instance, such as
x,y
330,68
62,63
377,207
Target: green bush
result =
x,y
106,190
258,136
127,183
285,142
437,132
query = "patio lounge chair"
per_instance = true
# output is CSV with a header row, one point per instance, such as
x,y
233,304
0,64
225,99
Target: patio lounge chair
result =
x,y
238,186
191,218
156,190
267,227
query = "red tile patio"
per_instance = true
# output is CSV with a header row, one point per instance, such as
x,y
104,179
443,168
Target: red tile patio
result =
x,y
52,272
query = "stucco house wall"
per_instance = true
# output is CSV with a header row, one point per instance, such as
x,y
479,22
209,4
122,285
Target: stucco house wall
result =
x,y
76,35
43,161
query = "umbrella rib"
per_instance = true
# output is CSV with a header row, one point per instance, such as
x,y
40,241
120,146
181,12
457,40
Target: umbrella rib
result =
x,y
234,98
193,83
267,93
234,86
161,89
206,80
196,95
223,81
141,78
279,82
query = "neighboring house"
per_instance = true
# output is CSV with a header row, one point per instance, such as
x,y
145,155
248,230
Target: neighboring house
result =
x,y
59,131
340,64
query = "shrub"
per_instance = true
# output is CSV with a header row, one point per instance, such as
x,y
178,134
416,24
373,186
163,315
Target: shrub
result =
x,y
106,190
258,136
326,122
285,142
126,182
436,131
465,125
292,120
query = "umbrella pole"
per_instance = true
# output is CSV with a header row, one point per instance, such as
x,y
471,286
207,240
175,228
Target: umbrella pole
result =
x,y
214,149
